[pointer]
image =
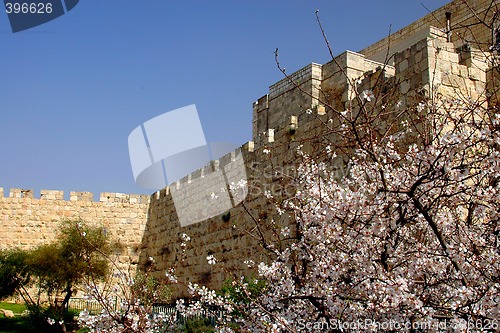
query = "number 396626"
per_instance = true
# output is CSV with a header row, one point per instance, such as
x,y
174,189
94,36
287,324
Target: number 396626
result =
x,y
28,8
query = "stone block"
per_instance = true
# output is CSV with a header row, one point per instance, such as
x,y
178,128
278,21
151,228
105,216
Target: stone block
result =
x,y
449,80
7,313
402,66
477,74
81,196
453,57
51,195
480,87
405,87
464,72
418,56
455,69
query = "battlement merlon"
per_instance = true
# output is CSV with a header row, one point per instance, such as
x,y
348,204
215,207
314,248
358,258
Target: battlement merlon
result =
x,y
212,166
294,95
461,23
108,197
303,75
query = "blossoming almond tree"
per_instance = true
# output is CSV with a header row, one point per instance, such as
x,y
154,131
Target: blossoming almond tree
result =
x,y
408,238
405,239
126,300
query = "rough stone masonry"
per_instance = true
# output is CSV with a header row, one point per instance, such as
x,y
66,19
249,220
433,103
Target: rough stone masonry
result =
x,y
422,58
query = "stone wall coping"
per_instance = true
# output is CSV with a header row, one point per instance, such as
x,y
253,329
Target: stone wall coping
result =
x,y
76,196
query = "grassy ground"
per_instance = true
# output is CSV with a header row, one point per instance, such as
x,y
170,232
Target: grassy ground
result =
x,y
17,324
12,325
16,308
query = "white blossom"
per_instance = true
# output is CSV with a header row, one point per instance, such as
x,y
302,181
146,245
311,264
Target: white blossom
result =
x,y
211,260
367,95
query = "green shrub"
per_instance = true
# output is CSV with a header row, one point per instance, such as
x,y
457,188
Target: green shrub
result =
x,y
198,325
255,287
39,317
14,325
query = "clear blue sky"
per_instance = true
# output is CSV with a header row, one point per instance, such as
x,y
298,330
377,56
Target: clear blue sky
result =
x,y
73,89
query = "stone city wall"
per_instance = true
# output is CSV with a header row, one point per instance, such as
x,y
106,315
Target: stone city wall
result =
x,y
150,226
431,65
27,221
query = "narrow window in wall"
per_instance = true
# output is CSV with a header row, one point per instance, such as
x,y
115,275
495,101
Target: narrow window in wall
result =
x,y
497,39
495,34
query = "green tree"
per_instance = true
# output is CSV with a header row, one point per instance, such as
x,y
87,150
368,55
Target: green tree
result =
x,y
78,255
13,272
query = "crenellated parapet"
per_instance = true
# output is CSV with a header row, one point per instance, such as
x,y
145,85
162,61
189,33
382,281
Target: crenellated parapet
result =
x,y
289,99
422,64
463,28
309,73
211,167
77,196
28,220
